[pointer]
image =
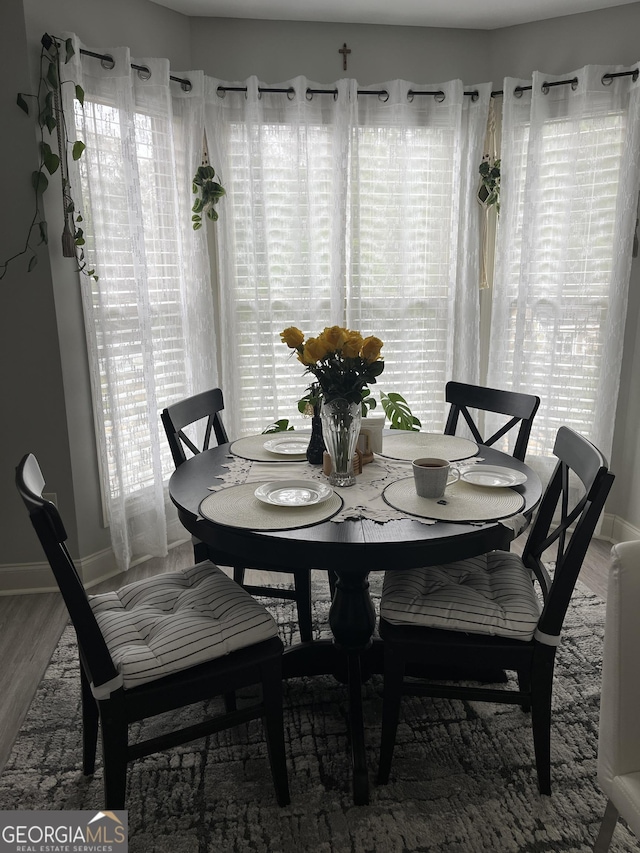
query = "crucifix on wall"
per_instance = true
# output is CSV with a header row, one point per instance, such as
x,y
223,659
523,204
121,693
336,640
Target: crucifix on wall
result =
x,y
344,50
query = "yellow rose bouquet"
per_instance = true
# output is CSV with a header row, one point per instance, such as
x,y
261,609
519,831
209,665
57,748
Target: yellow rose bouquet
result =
x,y
342,361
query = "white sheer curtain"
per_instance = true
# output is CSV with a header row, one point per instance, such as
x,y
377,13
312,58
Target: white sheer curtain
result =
x,y
349,209
570,177
149,317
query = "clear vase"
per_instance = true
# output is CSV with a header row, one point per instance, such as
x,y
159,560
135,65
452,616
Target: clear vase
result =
x,y
340,429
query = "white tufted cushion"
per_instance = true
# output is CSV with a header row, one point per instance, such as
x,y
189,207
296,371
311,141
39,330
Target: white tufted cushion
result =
x,y
489,594
177,620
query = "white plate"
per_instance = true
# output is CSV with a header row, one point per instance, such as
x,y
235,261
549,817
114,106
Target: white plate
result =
x,y
493,476
289,446
293,492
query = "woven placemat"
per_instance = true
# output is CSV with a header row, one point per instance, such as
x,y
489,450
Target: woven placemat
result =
x,y
464,502
252,447
237,506
413,445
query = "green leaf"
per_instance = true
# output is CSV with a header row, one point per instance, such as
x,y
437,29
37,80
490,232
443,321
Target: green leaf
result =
x,y
197,226
70,207
50,160
197,206
80,95
212,214
32,262
78,148
69,51
205,173
281,425
39,182
44,233
52,75
20,101
397,410
51,123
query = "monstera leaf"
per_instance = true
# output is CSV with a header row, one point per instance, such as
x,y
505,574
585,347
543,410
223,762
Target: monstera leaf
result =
x,y
398,412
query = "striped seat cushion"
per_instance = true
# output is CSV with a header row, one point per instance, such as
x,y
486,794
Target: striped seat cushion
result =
x,y
177,620
489,594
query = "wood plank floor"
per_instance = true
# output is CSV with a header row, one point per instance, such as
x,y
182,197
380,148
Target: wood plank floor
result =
x,y
31,625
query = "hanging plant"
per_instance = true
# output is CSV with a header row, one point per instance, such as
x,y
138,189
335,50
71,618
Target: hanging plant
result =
x,y
209,194
47,103
489,192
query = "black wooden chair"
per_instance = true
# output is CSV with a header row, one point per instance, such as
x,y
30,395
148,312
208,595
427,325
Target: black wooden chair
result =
x,y
206,407
484,613
158,645
520,408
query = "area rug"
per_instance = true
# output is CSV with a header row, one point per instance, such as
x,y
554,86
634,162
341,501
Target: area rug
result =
x,y
463,778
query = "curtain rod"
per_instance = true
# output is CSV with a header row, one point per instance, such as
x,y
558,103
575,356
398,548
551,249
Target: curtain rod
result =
x,y
109,63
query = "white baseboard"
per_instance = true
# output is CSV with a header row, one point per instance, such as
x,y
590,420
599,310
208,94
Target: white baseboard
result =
x,y
27,578
616,529
24,578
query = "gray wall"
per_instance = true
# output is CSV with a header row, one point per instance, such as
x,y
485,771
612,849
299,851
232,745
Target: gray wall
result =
x,y
45,378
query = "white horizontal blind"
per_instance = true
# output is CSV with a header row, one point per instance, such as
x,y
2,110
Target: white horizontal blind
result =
x,y
149,316
564,253
345,210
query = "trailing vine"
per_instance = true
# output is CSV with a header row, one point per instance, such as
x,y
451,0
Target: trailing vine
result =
x,y
47,103
209,194
489,192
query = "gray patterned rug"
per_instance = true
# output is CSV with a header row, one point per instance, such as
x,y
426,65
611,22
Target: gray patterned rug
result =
x,y
463,778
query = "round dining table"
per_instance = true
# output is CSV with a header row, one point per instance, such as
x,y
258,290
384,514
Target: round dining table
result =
x,y
352,549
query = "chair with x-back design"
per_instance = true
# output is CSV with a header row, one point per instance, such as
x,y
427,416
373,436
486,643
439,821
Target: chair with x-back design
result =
x,y
206,408
158,645
483,613
520,408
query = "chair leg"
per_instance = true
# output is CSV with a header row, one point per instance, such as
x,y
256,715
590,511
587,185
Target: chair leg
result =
x,y
394,665
332,582
607,827
302,581
274,728
89,726
114,754
541,686
524,684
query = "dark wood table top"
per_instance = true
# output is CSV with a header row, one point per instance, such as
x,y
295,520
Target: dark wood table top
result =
x,y
361,544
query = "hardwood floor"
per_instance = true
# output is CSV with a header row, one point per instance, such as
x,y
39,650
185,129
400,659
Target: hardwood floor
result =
x,y
31,625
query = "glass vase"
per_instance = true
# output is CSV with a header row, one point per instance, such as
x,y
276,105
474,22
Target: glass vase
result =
x,y
340,430
316,448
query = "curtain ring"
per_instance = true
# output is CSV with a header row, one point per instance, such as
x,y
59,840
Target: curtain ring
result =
x,y
574,84
410,96
439,97
108,62
186,85
634,76
545,88
144,73
291,93
383,96
335,93
474,96
308,95
606,79
517,92
221,92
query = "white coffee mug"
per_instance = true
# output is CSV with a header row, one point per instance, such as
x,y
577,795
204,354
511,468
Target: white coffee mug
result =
x,y
432,476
